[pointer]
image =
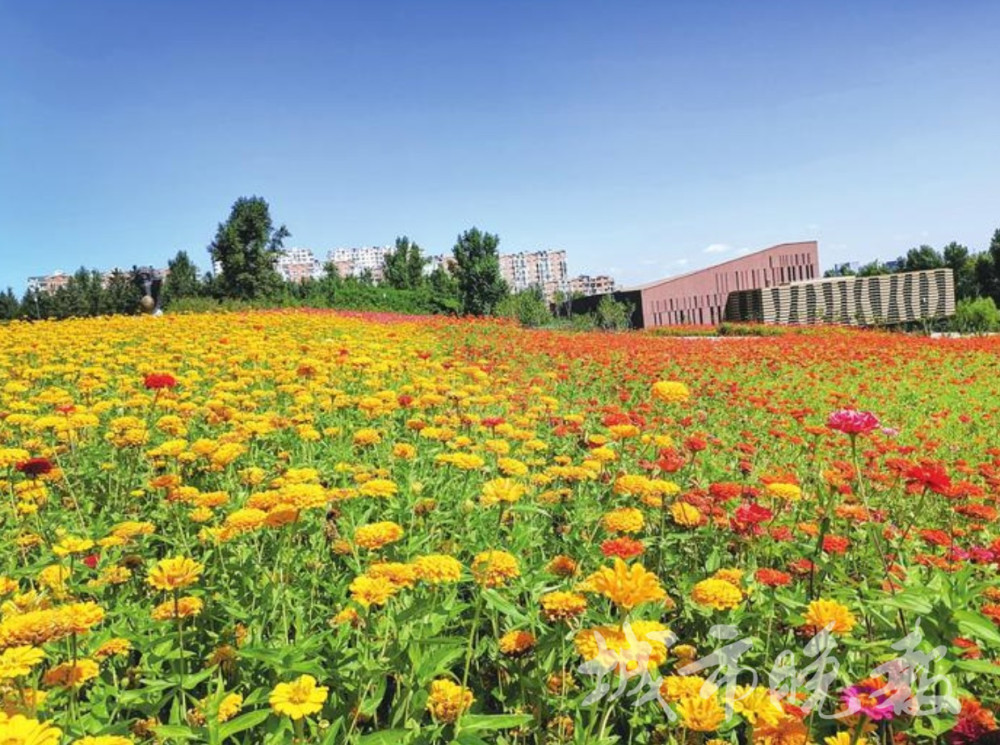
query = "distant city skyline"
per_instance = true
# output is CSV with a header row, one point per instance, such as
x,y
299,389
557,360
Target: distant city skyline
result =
x,y
645,139
545,269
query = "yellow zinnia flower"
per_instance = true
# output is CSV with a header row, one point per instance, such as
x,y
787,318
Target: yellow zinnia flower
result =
x,y
494,568
717,593
626,586
448,700
299,698
437,569
17,661
21,730
377,535
175,573
670,391
701,714
823,613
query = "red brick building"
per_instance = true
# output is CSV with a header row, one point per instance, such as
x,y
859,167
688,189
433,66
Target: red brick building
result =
x,y
699,297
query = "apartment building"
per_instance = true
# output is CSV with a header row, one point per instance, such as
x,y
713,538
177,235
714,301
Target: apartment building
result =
x,y
354,262
543,269
48,282
586,285
298,264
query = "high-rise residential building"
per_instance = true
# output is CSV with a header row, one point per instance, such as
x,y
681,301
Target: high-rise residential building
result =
x,y
298,264
545,270
356,261
586,285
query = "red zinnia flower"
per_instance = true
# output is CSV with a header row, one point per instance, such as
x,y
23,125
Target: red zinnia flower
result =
x,y
622,548
936,537
973,722
751,512
928,476
696,443
970,650
35,467
725,491
669,461
158,381
835,544
801,567
772,577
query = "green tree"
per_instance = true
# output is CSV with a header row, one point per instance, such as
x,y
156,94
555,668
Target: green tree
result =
x,y
404,267
976,316
443,289
246,246
122,293
182,278
82,296
477,270
612,315
10,308
985,273
992,281
873,269
922,258
963,265
527,307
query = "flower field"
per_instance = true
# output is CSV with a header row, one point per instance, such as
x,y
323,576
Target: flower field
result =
x,y
262,528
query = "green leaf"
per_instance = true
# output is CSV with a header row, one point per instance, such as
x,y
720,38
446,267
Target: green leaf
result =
x,y
436,663
176,732
479,722
467,738
385,737
911,601
371,702
499,603
243,722
974,624
978,666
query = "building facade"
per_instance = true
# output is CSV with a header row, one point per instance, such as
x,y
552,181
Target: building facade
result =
x,y
885,299
298,264
586,285
49,282
543,269
353,262
700,297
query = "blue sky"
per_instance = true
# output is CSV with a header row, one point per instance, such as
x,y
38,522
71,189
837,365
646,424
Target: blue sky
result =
x,y
643,138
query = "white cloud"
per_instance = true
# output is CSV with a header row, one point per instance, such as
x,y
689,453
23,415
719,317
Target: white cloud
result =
x,y
717,248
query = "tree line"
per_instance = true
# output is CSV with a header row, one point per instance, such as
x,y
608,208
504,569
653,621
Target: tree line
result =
x,y
976,275
245,250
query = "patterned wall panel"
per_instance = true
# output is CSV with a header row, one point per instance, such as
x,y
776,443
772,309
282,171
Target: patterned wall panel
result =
x,y
858,301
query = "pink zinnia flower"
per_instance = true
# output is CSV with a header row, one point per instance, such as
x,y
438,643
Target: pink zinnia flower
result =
x,y
852,422
871,698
